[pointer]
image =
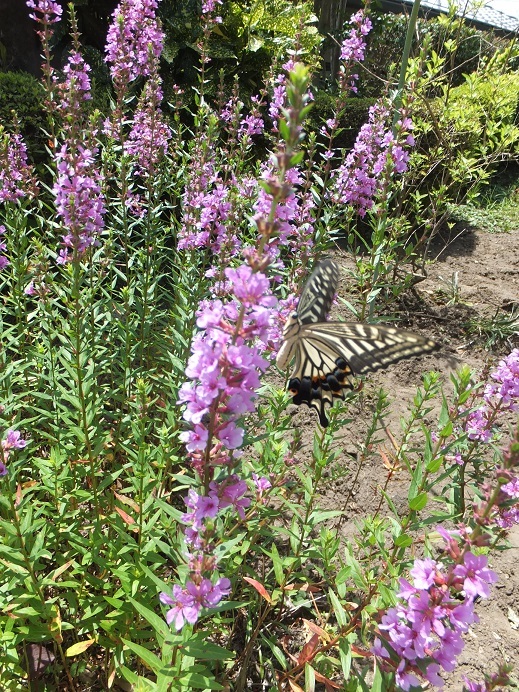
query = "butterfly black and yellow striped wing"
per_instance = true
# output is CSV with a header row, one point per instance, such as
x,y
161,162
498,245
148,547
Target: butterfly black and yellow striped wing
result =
x,y
327,355
318,293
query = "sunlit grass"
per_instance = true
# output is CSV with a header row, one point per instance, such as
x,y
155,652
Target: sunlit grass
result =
x,y
497,209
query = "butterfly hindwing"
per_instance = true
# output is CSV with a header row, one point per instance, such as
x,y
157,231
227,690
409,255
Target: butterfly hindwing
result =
x,y
328,354
365,347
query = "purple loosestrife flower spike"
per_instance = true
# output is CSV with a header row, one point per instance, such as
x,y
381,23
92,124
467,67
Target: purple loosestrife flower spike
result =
x,y
150,134
353,49
225,369
362,176
500,395
77,189
16,179
79,201
224,374
134,41
505,388
206,208
293,217
74,90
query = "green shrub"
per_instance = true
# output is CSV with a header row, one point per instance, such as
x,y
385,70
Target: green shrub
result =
x,y
461,135
386,43
355,115
252,36
22,101
482,113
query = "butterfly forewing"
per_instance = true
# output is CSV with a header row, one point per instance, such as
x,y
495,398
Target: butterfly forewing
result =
x,y
318,293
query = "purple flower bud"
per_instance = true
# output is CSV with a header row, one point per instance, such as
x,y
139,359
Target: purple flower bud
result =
x,y
13,440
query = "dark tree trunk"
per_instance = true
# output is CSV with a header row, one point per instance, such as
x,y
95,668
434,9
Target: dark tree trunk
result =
x,y
20,49
332,16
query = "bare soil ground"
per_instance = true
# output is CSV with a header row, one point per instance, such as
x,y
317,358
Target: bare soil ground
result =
x,y
487,266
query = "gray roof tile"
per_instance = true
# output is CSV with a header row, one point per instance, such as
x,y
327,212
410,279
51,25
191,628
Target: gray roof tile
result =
x,y
486,15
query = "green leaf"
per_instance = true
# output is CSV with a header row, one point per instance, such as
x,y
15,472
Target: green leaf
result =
x,y
418,502
435,465
284,129
345,657
309,678
148,657
197,681
403,541
318,516
378,683
128,675
202,649
339,611
277,565
158,624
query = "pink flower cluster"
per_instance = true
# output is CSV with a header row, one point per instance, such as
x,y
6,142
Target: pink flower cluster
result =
x,y
12,440
505,389
278,99
279,95
224,368
224,372
376,154
4,262
208,192
79,200
206,209
16,179
508,505
134,41
293,216
188,602
75,89
199,591
150,134
500,395
248,125
45,11
422,634
77,188
353,49
209,6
